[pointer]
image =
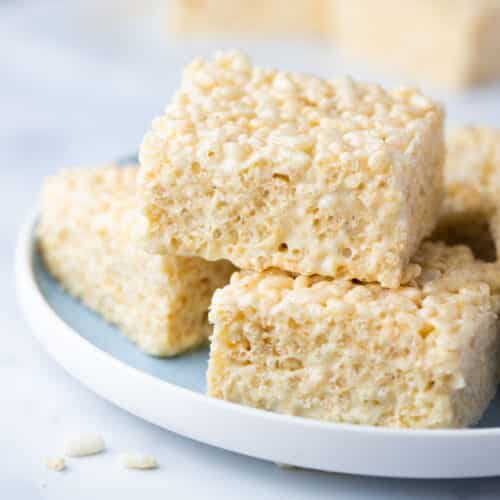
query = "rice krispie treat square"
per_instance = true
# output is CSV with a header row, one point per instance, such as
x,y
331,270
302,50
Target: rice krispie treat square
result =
x,y
473,158
269,168
420,356
468,217
451,43
250,17
85,235
470,212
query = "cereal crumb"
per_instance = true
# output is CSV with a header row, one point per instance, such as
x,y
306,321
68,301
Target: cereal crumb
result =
x,y
55,463
84,445
138,461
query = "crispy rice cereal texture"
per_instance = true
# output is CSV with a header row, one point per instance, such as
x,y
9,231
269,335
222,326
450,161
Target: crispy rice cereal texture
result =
x,y
421,356
274,169
85,236
473,158
451,43
250,17
470,212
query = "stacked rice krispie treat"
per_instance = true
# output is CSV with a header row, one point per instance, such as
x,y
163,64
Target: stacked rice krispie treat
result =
x,y
323,192
269,168
472,177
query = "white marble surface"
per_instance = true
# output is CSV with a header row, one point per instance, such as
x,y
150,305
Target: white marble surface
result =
x,y
76,90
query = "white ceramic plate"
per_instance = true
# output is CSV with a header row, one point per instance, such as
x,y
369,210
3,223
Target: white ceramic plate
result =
x,y
170,393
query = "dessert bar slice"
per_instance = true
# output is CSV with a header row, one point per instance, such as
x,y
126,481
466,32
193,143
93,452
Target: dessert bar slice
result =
x,y
85,235
269,168
470,212
420,356
451,43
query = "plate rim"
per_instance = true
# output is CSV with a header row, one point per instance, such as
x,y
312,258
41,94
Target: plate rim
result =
x,y
31,299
